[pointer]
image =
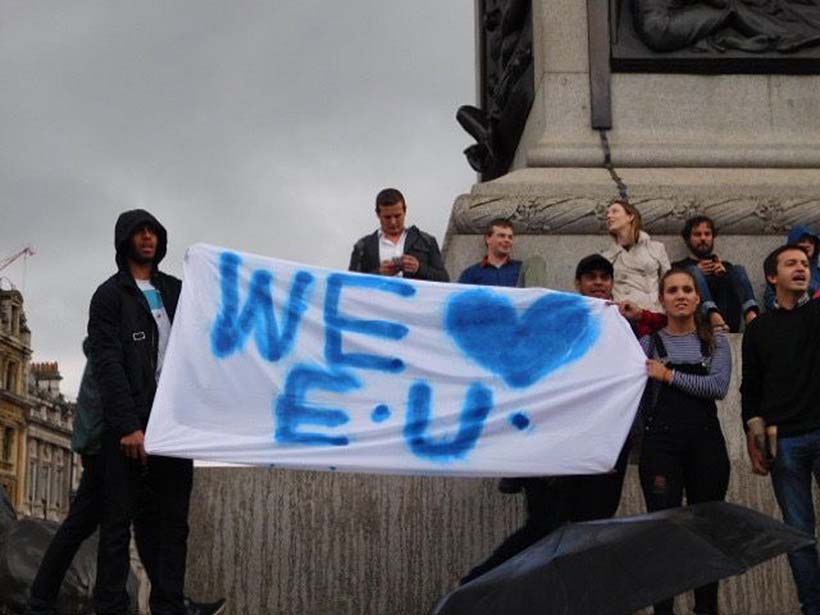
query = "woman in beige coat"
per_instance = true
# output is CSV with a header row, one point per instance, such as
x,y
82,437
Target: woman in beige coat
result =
x,y
638,261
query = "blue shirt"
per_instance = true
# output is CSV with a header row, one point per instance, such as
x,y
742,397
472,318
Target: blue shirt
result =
x,y
489,275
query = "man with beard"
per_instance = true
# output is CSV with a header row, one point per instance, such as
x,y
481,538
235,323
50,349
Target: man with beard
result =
x,y
128,328
727,294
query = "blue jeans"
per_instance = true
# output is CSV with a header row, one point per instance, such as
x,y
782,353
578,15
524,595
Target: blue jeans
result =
x,y
740,284
798,458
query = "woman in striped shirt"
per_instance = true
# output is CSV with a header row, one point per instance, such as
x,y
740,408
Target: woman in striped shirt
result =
x,y
683,449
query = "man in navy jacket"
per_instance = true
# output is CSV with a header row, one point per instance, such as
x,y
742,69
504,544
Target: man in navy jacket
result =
x,y
497,268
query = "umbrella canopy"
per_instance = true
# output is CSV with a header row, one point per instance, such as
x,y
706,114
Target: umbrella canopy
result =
x,y
23,546
618,566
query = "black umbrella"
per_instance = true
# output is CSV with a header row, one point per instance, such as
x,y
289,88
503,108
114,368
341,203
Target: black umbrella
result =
x,y
619,566
22,549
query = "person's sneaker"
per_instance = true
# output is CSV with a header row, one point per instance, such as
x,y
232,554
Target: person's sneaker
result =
x,y
204,608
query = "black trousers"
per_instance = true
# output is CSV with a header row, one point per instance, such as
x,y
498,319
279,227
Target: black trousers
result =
x,y
82,520
155,497
553,501
690,459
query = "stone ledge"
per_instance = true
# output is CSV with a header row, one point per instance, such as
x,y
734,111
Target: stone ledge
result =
x,y
574,201
582,215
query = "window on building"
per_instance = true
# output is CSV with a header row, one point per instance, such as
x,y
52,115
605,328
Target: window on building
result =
x,y
8,443
9,487
59,487
32,482
15,320
11,376
45,487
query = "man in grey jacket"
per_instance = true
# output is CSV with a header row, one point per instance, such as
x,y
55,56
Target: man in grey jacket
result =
x,y
394,250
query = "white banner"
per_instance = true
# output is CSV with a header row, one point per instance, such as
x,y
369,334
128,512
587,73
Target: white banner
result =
x,y
277,363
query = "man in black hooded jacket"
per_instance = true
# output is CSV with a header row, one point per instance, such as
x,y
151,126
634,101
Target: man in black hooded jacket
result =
x,y
128,327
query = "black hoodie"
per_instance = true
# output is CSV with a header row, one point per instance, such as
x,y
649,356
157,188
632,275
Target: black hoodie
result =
x,y
123,335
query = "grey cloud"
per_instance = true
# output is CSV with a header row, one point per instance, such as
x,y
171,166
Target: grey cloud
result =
x,y
265,126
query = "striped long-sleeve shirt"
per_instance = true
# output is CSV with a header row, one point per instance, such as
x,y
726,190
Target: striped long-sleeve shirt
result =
x,y
687,349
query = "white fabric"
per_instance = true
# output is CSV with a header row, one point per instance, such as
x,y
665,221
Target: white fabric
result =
x,y
550,381
154,300
389,250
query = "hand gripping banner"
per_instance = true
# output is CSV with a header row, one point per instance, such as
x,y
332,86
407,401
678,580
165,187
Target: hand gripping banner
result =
x,y
276,363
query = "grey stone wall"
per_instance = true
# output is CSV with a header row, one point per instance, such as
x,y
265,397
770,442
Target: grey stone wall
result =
x,y
661,120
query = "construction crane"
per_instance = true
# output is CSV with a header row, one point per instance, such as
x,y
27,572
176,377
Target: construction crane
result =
x,y
27,251
9,260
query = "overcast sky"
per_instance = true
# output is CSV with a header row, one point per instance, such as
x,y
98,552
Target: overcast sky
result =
x,y
266,126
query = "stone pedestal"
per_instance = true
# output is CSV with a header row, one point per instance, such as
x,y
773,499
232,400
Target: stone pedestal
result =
x,y
559,213
740,148
662,120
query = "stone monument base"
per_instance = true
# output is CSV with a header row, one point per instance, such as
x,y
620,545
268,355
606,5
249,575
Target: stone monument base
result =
x,y
306,543
560,214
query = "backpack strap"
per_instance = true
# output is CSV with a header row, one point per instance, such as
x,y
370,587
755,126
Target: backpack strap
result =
x,y
706,353
656,345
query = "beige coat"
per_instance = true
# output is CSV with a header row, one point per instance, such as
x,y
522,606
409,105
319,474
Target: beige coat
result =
x,y
638,270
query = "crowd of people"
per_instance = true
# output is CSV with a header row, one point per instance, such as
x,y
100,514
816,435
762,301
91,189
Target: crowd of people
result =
x,y
679,311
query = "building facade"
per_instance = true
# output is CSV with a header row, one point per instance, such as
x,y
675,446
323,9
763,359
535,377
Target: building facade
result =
x,y
52,468
15,354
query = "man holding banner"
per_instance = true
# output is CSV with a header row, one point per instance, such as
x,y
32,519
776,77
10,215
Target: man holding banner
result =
x,y
553,501
128,327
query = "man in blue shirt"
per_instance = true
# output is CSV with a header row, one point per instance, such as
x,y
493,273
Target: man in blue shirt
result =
x,y
497,268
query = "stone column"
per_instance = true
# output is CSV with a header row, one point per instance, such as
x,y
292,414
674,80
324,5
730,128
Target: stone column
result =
x,y
740,148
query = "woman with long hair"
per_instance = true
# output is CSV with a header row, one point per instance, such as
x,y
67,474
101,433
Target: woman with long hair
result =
x,y
683,450
638,261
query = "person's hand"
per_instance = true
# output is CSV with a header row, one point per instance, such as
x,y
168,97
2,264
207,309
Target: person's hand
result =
x,y
759,464
388,267
718,268
410,264
707,267
629,310
133,446
718,324
658,371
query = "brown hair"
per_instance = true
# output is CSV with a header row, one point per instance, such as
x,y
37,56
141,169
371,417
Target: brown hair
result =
x,y
637,221
389,196
703,327
499,222
770,264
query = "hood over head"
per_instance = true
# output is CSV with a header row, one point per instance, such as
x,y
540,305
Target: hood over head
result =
x,y
800,231
128,222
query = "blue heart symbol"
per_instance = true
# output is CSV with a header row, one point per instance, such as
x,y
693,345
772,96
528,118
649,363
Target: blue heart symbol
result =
x,y
556,330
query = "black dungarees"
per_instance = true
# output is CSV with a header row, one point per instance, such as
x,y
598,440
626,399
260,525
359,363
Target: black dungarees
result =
x,y
683,450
